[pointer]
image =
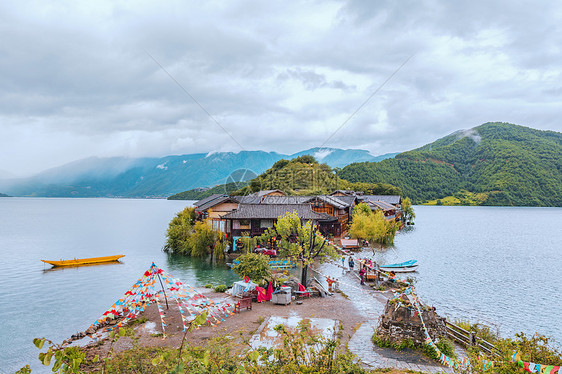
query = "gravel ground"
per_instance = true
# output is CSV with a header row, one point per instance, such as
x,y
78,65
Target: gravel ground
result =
x,y
240,326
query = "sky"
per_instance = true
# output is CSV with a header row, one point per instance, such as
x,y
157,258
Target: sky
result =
x,y
149,79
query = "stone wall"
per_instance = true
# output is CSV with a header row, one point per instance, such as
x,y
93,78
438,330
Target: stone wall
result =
x,y
400,323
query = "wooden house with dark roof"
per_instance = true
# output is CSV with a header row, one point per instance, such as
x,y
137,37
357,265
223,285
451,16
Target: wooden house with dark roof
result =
x,y
257,212
256,218
215,207
338,208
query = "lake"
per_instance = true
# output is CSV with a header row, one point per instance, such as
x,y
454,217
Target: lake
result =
x,y
500,266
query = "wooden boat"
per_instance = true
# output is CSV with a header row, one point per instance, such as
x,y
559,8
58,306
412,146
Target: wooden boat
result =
x,y
404,264
84,261
409,269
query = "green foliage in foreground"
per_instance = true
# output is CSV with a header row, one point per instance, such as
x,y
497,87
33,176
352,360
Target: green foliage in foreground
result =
x,y
536,348
301,352
505,163
445,345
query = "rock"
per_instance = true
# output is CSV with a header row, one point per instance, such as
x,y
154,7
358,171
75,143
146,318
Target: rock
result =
x,y
403,322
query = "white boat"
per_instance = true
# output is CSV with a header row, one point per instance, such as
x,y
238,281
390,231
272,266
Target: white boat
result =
x,y
408,269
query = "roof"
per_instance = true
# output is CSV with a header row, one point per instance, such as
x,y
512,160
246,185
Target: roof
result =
x,y
273,200
332,200
273,211
207,199
348,200
380,205
345,192
390,199
349,243
267,192
214,202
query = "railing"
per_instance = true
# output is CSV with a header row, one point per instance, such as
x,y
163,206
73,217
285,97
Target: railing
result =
x,y
468,339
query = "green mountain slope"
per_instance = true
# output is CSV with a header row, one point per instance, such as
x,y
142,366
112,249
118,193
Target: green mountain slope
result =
x,y
508,164
305,176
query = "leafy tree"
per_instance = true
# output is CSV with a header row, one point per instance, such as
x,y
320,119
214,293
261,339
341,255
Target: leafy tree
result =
x,y
189,237
407,211
205,241
372,226
179,231
305,159
302,241
253,265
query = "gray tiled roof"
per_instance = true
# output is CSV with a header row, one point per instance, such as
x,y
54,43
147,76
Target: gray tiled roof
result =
x,y
212,203
391,199
207,199
273,211
332,200
273,200
380,205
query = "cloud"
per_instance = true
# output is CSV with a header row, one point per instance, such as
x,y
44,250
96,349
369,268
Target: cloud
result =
x,y
76,79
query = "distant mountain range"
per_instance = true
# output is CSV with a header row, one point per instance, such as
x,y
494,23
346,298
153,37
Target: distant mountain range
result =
x,y
162,177
492,164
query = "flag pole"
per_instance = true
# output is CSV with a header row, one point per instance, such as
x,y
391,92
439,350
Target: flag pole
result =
x,y
163,290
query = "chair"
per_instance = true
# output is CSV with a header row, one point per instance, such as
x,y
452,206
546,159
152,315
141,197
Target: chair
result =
x,y
245,302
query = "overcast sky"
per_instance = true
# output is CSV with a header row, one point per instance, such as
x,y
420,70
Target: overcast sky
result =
x,y
78,80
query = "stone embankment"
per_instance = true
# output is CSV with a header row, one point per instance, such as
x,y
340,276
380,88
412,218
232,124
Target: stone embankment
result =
x,y
371,304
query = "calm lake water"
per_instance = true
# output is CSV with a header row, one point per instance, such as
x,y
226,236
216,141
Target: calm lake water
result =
x,y
500,266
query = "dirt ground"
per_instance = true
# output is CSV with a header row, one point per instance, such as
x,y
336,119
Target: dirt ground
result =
x,y
239,326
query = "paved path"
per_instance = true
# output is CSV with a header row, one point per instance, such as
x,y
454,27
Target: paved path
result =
x,y
371,304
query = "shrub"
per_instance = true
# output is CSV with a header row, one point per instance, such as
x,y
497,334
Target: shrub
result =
x,y
253,265
221,288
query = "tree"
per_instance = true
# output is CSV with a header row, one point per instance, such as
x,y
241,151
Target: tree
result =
x,y
205,241
408,214
301,241
179,231
372,226
189,237
253,265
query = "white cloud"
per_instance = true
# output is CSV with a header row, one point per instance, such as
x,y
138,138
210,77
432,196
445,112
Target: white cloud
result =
x,y
75,80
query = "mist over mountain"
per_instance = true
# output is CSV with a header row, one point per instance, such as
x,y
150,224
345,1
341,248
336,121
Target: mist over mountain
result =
x,y
161,177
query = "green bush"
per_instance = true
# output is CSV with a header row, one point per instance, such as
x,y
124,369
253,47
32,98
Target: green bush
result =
x,y
221,288
209,285
446,347
253,265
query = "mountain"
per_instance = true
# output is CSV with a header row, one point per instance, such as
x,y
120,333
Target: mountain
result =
x,y
492,164
304,175
338,158
158,177
4,195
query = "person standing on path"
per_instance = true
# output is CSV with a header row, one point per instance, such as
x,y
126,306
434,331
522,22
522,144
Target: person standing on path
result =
x,y
343,262
351,263
362,274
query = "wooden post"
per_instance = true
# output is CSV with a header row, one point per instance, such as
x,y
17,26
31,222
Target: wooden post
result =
x,y
163,290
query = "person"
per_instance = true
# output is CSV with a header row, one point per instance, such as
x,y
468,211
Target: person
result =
x,y
362,274
330,281
351,263
392,277
343,261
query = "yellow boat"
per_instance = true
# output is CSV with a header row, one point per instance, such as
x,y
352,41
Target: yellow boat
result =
x,y
84,261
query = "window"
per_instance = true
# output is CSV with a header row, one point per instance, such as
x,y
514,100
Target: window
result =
x,y
266,223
